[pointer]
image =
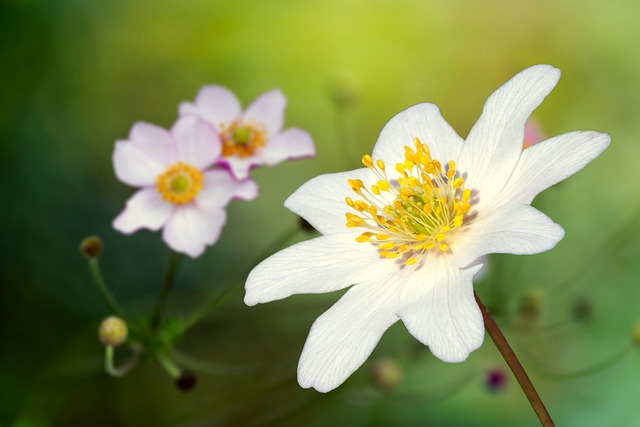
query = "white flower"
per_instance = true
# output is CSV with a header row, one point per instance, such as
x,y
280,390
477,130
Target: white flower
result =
x,y
252,137
417,233
177,191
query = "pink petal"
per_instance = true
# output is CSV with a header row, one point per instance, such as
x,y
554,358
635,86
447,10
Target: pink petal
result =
x,y
220,188
240,166
268,110
145,209
291,144
146,154
198,142
215,104
191,228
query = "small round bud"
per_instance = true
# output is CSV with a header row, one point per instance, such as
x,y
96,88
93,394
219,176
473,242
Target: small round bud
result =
x,y
304,224
636,334
186,381
531,304
582,309
113,331
91,246
386,374
496,379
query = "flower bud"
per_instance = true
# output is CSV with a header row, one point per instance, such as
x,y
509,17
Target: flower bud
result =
x,y
386,374
186,381
496,379
91,246
113,331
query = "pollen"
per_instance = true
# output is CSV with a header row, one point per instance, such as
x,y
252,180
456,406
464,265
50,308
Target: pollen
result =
x,y
242,138
409,216
180,184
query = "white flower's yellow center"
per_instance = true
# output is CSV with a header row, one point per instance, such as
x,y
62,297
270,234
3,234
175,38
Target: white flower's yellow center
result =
x,y
410,216
180,184
242,138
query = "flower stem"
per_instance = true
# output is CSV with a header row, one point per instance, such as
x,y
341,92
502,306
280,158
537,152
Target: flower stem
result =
x,y
121,371
172,269
514,364
108,298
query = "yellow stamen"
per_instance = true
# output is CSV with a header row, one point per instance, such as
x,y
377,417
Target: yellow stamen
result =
x,y
180,184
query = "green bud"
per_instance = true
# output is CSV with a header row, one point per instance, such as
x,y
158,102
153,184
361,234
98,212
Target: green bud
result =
x,y
386,374
91,246
113,331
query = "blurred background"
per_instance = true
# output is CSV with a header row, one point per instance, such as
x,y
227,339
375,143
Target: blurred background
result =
x,y
76,75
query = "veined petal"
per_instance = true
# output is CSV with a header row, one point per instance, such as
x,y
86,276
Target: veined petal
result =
x,y
495,142
145,209
422,121
215,104
320,265
197,141
190,229
345,335
146,154
438,307
291,144
220,188
268,110
551,161
321,200
513,229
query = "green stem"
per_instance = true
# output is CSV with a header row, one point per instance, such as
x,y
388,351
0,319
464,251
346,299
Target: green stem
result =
x,y
218,299
172,369
94,268
121,371
172,269
514,364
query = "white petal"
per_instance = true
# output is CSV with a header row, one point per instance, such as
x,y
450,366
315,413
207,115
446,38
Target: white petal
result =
x,y
146,154
215,104
321,200
425,122
495,142
190,229
220,188
324,264
552,161
268,110
438,307
513,229
345,335
145,209
197,141
290,144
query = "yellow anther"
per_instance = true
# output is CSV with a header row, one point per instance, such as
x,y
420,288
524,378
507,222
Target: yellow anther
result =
x,y
411,261
382,236
459,182
383,185
400,167
380,164
466,195
427,209
386,245
390,255
367,160
364,237
407,192
440,237
373,211
356,184
444,247
375,189
446,229
349,201
408,164
360,205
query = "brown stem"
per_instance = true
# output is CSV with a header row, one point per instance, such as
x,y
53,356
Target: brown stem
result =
x,y
514,364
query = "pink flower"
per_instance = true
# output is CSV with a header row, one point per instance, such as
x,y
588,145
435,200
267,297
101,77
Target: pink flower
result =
x,y
252,137
177,190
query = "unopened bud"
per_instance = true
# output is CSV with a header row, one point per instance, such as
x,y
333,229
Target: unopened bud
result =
x,y
386,374
496,379
91,246
113,331
531,304
186,381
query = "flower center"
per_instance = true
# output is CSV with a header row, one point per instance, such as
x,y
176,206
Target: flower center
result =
x,y
242,138
415,213
180,184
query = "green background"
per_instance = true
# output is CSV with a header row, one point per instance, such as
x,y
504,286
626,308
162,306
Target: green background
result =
x,y
77,74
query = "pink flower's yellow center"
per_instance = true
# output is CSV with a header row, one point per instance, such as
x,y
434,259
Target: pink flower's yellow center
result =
x,y
242,138
410,216
180,184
